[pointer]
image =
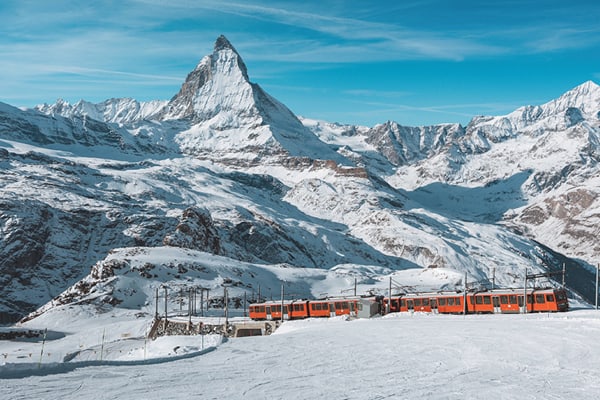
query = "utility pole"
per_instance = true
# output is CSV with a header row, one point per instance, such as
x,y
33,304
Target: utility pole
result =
x,y
597,269
245,303
525,293
389,303
156,304
563,275
207,298
494,278
190,305
465,296
180,300
165,325
281,301
202,302
226,300
354,286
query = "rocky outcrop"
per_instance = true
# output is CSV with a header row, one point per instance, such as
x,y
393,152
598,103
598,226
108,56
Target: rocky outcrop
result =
x,y
195,230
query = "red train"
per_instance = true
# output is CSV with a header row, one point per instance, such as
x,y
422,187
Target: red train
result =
x,y
298,309
504,301
494,301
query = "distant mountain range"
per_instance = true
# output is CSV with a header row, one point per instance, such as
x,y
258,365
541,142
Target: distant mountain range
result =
x,y
224,169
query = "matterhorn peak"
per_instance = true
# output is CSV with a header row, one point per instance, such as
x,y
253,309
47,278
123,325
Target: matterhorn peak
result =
x,y
228,113
222,43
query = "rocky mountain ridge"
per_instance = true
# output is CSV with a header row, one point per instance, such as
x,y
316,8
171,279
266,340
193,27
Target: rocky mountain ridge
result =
x,y
223,168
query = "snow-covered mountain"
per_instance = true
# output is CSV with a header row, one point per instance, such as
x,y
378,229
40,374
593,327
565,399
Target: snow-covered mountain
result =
x,y
122,111
232,175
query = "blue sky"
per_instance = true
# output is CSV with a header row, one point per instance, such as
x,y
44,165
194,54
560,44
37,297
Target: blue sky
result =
x,y
361,62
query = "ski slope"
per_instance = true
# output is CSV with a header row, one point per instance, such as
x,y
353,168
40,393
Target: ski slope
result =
x,y
402,356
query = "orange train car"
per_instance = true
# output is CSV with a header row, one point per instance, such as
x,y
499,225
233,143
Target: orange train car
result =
x,y
540,300
298,309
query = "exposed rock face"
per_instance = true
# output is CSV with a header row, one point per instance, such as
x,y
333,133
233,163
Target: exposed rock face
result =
x,y
403,145
197,231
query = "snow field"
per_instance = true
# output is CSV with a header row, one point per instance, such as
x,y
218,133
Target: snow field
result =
x,y
402,356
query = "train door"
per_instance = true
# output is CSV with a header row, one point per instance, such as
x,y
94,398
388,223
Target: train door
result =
x,y
268,311
433,304
496,304
352,309
285,312
331,309
410,304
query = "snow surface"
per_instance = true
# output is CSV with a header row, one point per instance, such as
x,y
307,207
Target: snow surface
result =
x,y
400,356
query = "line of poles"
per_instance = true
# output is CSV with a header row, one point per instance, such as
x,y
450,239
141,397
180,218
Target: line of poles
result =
x,y
193,292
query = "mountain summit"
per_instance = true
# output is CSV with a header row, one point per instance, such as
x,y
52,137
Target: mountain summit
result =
x,y
218,85
229,114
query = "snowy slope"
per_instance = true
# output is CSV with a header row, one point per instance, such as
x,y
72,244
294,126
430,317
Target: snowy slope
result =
x,y
405,356
224,168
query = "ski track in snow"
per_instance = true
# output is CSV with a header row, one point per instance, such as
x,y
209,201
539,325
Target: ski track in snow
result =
x,y
542,356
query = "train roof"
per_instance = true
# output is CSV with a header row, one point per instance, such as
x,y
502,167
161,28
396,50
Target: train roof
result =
x,y
476,292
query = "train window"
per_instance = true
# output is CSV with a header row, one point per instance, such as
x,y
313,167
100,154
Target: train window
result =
x,y
520,299
478,300
504,299
451,301
417,302
550,298
338,306
442,301
487,300
539,298
345,305
512,299
529,299
402,303
561,296
458,301
425,302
